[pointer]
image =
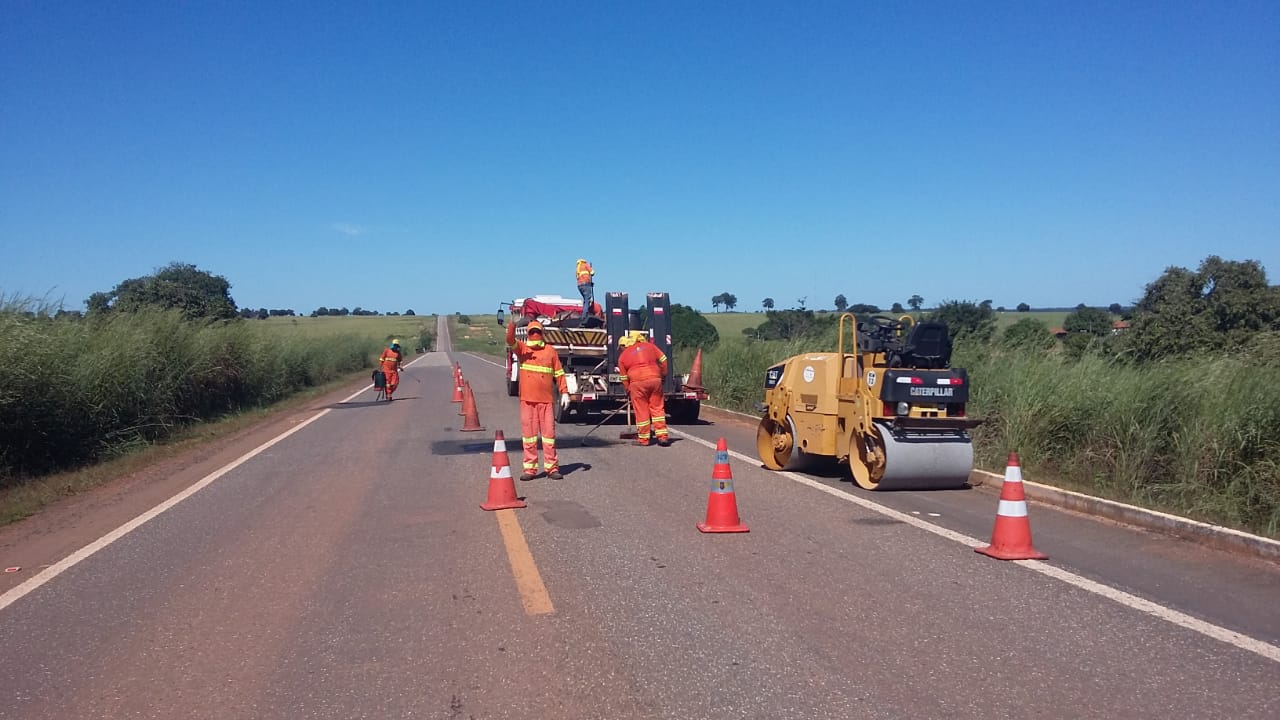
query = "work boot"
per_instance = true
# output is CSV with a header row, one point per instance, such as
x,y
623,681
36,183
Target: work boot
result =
x,y
641,443
664,442
555,474
526,476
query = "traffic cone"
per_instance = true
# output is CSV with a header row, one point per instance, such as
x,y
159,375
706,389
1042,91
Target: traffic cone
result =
x,y
722,505
457,390
1011,537
471,416
695,373
502,489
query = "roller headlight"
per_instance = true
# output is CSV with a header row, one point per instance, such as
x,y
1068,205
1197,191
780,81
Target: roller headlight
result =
x,y
904,409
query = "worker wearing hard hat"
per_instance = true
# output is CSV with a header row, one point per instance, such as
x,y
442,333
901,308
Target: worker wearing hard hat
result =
x,y
390,364
584,273
540,375
641,368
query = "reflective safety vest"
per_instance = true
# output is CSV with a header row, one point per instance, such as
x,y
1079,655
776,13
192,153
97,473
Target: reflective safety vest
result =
x,y
641,361
390,360
584,272
540,369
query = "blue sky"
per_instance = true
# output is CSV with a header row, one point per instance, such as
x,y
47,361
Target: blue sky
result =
x,y
444,157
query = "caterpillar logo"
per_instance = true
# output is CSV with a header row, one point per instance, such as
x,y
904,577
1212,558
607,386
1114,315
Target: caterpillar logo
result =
x,y
917,391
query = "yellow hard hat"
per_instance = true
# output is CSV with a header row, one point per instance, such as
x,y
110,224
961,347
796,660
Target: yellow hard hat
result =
x,y
395,342
626,341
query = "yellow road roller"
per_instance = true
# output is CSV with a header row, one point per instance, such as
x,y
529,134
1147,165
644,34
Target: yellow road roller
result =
x,y
894,410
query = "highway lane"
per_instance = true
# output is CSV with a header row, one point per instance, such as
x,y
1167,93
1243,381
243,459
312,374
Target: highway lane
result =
x,y
347,572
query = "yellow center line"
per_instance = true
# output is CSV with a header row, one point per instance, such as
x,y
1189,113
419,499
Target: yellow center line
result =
x,y
533,594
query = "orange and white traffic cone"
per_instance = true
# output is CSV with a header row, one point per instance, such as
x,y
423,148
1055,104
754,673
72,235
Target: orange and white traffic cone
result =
x,y
1011,537
471,415
457,391
722,504
695,373
502,489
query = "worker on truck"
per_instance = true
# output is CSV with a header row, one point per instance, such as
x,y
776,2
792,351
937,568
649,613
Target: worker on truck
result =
x,y
641,369
584,273
540,372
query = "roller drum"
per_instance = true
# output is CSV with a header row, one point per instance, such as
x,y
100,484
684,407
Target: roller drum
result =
x,y
925,461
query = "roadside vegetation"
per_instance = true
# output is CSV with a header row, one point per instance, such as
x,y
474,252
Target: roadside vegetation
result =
x,y
1178,411
156,357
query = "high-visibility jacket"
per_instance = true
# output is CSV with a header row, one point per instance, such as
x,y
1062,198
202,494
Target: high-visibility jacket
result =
x,y
641,361
540,369
390,360
584,272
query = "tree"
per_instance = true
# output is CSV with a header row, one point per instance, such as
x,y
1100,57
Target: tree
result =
x,y
999,308
864,309
262,314
796,324
715,302
730,300
409,312
1023,307
690,329
1224,303
987,302
897,309
177,286
967,320
801,301
1028,334
914,302
1090,321
841,303
767,303
98,303
320,311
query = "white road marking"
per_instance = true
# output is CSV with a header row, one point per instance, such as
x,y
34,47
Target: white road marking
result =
x,y
52,571
1169,615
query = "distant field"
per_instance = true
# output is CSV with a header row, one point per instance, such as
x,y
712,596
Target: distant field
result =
x,y
482,334
377,327
731,324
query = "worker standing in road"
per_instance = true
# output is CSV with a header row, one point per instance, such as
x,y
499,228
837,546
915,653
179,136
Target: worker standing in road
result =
x,y
641,368
540,372
390,362
584,273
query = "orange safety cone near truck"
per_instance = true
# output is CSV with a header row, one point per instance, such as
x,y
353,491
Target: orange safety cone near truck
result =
x,y
695,373
1011,537
502,488
722,504
471,416
457,390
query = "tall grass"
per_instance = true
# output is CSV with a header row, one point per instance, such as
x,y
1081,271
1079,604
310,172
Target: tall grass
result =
x,y
72,391
1198,436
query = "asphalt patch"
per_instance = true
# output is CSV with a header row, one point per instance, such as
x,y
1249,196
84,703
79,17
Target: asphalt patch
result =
x,y
568,515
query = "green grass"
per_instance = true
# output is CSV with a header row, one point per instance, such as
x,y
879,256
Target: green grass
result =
x,y
731,324
481,334
79,391
378,328
1053,319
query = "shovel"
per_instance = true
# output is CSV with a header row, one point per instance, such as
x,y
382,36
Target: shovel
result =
x,y
629,433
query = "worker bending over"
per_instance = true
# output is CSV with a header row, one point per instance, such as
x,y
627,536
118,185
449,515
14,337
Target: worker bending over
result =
x,y
641,368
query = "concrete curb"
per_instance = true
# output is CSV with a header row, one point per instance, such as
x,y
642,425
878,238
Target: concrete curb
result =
x,y
1213,535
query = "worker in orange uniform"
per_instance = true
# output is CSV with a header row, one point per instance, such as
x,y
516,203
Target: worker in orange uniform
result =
x,y
540,375
390,364
641,368
584,273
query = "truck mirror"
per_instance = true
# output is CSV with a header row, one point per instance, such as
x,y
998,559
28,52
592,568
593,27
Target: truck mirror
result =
x,y
500,320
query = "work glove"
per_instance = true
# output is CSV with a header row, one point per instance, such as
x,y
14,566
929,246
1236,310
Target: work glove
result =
x,y
564,402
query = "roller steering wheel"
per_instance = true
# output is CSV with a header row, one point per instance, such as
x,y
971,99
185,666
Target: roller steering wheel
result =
x,y
886,324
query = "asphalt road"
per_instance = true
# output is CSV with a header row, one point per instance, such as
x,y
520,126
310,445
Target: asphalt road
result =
x,y
346,571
